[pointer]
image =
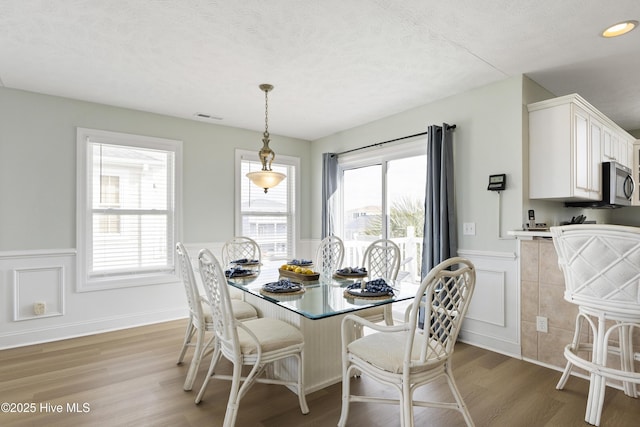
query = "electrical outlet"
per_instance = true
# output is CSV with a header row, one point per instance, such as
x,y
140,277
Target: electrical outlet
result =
x,y
469,228
39,308
541,324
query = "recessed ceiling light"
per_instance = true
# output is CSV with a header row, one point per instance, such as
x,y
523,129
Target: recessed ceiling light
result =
x,y
619,29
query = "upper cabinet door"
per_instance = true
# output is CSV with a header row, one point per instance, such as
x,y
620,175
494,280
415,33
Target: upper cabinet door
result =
x,y
568,141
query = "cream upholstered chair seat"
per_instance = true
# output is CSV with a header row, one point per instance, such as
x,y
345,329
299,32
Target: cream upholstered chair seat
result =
x,y
254,344
200,318
601,266
387,350
271,334
405,356
241,310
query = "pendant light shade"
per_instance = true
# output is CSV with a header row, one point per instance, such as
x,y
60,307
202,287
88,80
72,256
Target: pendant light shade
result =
x,y
266,178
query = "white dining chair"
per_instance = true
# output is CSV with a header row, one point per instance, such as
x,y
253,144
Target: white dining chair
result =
x,y
200,320
255,343
329,255
240,247
405,356
601,267
382,261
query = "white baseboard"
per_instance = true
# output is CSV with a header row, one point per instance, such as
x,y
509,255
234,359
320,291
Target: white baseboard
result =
x,y
96,326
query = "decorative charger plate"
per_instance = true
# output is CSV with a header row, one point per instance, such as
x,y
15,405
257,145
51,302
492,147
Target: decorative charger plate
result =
x,y
240,272
301,262
245,261
359,292
376,288
282,287
351,272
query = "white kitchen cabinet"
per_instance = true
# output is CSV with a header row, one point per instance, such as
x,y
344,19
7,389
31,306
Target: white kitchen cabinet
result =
x,y
564,150
617,147
568,141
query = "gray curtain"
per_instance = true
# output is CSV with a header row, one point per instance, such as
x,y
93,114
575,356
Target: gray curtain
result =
x,y
329,188
440,235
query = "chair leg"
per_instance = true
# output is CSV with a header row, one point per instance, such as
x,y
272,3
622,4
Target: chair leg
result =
x,y
456,394
346,391
188,334
302,398
195,360
406,406
597,383
595,401
565,376
574,346
627,358
234,397
217,354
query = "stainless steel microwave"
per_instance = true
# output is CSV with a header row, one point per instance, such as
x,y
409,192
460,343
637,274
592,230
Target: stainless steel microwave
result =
x,y
618,187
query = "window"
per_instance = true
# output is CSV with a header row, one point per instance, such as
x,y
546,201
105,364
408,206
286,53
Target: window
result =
x,y
270,219
128,209
382,197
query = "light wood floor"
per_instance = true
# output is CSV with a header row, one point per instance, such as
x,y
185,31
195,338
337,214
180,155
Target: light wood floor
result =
x,y
130,378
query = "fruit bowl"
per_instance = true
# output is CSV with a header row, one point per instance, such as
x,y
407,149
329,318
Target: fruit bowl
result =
x,y
300,273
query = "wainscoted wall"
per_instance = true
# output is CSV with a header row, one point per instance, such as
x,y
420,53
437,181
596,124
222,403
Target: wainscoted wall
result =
x,y
29,278
493,319
39,301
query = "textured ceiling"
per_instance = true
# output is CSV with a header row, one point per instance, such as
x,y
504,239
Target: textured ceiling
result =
x,y
335,64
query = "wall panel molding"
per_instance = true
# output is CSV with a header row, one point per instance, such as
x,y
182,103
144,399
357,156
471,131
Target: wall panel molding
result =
x,y
38,285
493,319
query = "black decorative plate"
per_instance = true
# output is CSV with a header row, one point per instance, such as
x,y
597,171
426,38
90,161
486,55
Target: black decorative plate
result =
x,y
245,261
239,273
351,272
281,288
359,292
300,262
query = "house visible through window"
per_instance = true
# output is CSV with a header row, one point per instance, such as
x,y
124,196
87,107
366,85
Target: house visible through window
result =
x,y
270,219
109,198
127,209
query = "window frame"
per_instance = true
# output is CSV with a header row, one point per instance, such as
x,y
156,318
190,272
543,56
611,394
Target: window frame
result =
x,y
416,146
281,160
84,210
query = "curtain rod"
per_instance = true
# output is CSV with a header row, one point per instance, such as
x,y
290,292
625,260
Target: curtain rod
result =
x,y
449,127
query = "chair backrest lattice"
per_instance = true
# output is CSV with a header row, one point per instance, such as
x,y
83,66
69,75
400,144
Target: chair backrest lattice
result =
x,y
444,294
189,282
330,254
601,265
382,259
240,248
215,286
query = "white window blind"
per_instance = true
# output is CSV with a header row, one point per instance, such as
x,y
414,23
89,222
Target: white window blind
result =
x,y
269,219
129,209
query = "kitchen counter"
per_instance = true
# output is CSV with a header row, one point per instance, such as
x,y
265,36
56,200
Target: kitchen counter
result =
x,y
529,235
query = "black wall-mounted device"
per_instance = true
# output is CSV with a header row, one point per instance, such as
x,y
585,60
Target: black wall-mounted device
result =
x,y
497,182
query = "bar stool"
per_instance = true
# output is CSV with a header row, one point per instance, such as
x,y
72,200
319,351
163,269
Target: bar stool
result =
x,y
601,266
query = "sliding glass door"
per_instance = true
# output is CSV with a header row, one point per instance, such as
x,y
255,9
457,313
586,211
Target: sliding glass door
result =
x,y
383,198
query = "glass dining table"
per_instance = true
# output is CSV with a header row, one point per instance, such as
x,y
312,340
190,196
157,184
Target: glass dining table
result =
x,y
324,297
317,309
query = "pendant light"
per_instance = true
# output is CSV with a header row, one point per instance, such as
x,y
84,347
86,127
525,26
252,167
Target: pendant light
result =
x,y
266,178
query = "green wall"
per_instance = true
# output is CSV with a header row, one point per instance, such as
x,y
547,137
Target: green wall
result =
x,y
38,164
